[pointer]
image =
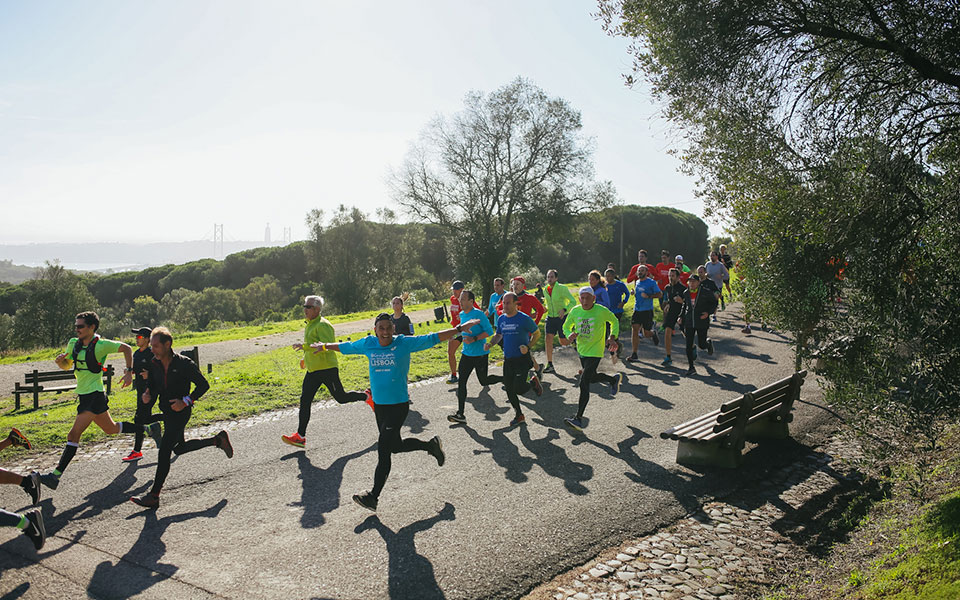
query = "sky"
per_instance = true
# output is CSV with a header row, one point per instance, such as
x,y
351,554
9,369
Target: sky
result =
x,y
151,121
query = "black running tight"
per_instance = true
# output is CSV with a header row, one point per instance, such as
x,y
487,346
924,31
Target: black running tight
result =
x,y
390,418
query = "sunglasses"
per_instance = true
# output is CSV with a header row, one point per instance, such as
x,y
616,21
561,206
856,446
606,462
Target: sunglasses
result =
x,y
78,327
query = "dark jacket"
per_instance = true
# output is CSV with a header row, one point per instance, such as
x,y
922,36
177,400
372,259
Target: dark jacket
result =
x,y
141,364
669,292
175,382
705,303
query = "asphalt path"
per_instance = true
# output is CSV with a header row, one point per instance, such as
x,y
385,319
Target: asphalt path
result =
x,y
511,508
213,353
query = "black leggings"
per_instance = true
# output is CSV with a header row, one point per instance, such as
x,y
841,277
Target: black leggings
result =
x,y
515,379
590,375
701,333
311,384
467,365
390,418
174,424
144,416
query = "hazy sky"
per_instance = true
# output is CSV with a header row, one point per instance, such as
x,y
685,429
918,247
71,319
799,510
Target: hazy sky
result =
x,y
118,115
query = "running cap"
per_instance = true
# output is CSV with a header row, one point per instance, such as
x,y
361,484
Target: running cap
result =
x,y
382,317
520,279
679,257
142,331
695,277
588,290
310,301
457,285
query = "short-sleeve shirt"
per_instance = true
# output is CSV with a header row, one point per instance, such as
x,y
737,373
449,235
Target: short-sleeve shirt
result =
x,y
516,332
402,324
476,348
88,382
390,365
645,286
319,330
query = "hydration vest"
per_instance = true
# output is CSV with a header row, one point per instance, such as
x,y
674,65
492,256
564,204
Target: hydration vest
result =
x,y
90,359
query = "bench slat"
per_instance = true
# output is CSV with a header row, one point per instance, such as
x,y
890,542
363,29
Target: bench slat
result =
x,y
759,394
768,401
691,423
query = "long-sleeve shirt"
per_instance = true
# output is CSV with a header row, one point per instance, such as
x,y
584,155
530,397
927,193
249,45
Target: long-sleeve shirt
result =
x,y
618,294
528,305
632,276
558,297
174,382
141,365
601,296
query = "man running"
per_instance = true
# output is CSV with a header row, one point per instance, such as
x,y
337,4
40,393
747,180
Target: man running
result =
x,y
515,327
727,261
559,301
587,325
641,260
644,291
717,272
169,381
86,355
698,304
389,358
530,306
709,286
401,322
617,292
684,270
673,294
322,368
661,273
454,342
474,356
142,357
498,291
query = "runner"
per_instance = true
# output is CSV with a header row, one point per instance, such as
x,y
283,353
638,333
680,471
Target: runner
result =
x,y
727,261
169,382
717,273
491,310
530,306
474,355
401,322
514,328
684,269
587,325
698,304
322,367
86,354
559,301
674,295
645,290
617,292
709,285
144,415
389,358
454,342
599,289
661,273
642,260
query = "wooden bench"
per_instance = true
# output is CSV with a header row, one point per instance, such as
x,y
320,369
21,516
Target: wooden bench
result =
x,y
717,438
46,381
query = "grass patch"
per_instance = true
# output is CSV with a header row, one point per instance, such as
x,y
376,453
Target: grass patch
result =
x,y
193,338
239,388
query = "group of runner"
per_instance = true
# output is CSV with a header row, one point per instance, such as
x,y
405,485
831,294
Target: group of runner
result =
x,y
590,321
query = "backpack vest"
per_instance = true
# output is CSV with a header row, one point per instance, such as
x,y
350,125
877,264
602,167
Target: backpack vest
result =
x,y
91,357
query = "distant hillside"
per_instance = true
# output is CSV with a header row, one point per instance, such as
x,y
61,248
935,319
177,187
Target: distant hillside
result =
x,y
12,273
126,255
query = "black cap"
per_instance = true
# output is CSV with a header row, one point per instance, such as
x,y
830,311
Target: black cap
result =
x,y
144,331
457,285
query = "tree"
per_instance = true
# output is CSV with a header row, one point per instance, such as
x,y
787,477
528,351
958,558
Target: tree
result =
x,y
45,317
500,176
261,296
342,256
145,312
828,133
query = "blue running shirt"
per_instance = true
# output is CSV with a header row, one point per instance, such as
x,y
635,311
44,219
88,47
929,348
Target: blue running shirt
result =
x,y
390,365
516,332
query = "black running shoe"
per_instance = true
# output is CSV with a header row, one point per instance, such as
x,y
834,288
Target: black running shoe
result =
x,y
656,338
632,358
51,480
156,433
31,485
223,442
457,418
18,439
35,529
691,371
710,347
436,450
366,500
615,387
147,500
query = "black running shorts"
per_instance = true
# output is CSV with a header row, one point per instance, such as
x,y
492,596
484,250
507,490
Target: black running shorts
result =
x,y
643,318
95,402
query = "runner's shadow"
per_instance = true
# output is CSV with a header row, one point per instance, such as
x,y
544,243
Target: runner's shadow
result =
x,y
485,405
116,492
647,472
504,453
140,568
727,382
321,487
554,461
668,377
17,592
416,422
639,391
410,574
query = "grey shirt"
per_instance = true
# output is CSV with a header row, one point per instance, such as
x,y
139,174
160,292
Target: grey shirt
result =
x,y
717,273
